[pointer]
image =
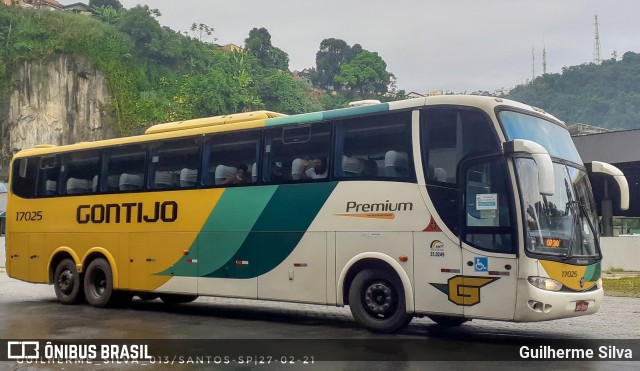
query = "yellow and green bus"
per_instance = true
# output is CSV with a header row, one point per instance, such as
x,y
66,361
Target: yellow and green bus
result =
x,y
452,207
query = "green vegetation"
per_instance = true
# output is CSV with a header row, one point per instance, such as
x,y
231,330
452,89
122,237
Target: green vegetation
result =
x,y
159,75
629,286
606,95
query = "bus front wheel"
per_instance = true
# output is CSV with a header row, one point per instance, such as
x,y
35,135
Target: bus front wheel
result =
x,y
66,282
377,302
98,283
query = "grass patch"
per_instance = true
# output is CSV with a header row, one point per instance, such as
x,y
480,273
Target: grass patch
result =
x,y
629,286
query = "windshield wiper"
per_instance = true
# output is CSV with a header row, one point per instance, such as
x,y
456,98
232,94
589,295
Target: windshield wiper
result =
x,y
582,213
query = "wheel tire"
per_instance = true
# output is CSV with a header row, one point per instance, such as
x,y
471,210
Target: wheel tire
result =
x,y
98,283
377,302
67,282
448,321
177,298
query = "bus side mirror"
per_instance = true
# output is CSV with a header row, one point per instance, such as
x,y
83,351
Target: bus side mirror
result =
x,y
618,176
546,183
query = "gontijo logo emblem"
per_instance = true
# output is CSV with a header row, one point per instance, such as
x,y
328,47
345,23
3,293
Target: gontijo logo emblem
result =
x,y
464,290
378,210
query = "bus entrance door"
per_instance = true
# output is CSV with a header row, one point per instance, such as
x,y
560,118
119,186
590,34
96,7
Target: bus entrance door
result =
x,y
488,241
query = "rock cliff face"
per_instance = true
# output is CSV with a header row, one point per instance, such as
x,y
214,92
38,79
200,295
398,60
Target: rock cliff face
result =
x,y
60,101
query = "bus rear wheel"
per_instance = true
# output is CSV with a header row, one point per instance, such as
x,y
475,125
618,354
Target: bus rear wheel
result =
x,y
177,298
377,302
67,283
98,283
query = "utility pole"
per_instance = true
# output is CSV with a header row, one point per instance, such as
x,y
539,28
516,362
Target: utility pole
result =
x,y
597,54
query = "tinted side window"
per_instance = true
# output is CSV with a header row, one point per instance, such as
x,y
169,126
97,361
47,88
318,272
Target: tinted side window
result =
x,y
124,168
297,153
80,172
25,173
174,164
448,134
231,159
374,147
48,176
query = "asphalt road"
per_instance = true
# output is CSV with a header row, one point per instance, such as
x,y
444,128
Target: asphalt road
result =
x,y
30,311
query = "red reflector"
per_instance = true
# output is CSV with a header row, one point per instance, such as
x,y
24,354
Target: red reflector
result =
x,y
242,262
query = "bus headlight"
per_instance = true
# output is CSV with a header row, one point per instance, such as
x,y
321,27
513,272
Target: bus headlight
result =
x,y
545,283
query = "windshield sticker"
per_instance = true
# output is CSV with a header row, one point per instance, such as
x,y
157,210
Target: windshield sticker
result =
x,y
487,201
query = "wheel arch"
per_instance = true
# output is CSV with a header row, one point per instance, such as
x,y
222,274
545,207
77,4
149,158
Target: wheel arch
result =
x,y
58,255
373,260
100,252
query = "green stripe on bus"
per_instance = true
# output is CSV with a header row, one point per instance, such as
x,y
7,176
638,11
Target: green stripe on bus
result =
x,y
592,273
225,230
278,230
307,117
356,111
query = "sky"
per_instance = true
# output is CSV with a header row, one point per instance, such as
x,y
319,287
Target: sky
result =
x,y
450,45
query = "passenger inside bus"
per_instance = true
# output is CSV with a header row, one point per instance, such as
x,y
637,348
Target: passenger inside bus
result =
x,y
309,168
239,178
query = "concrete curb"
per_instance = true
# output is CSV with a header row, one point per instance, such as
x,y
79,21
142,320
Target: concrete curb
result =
x,y
616,275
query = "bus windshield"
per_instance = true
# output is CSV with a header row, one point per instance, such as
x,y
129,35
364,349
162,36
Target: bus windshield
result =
x,y
553,137
562,224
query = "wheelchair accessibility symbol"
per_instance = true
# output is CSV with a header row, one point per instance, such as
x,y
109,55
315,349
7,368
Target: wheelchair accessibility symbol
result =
x,y
481,264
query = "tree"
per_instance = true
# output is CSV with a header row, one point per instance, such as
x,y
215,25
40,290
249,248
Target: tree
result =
x,y
201,31
280,92
140,23
115,4
258,44
367,73
106,14
333,53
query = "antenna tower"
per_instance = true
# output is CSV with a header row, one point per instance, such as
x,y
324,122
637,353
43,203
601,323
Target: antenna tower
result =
x,y
597,54
533,63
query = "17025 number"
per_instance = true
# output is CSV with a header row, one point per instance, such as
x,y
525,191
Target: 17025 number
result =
x,y
28,216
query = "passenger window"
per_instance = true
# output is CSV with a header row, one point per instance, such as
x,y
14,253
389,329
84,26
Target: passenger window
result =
x,y
124,168
80,172
25,172
374,147
231,159
48,176
174,164
298,153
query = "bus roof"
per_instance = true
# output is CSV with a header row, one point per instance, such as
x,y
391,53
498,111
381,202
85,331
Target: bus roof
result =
x,y
212,121
257,119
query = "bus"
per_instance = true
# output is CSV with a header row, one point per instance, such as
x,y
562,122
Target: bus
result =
x,y
451,207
